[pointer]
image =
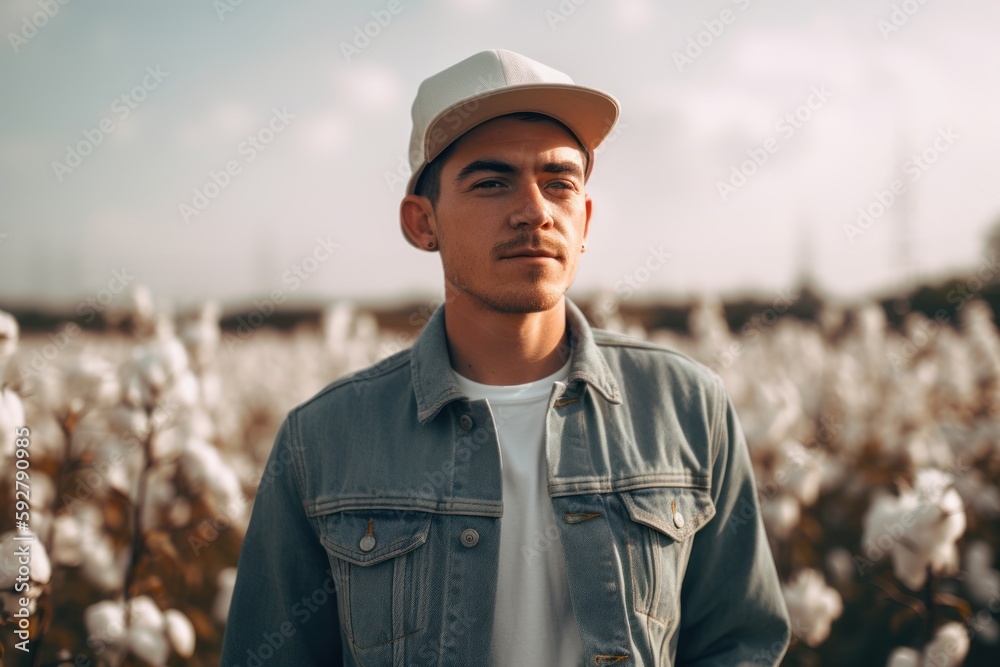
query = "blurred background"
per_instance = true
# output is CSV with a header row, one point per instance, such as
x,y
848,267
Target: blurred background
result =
x,y
199,230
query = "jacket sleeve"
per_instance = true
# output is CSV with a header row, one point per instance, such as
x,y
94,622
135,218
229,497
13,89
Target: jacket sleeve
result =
x,y
284,605
732,608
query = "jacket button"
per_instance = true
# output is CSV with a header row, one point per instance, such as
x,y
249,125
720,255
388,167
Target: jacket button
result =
x,y
678,519
465,421
470,537
367,543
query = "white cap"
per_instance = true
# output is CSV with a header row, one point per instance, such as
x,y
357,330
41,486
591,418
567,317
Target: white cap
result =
x,y
498,82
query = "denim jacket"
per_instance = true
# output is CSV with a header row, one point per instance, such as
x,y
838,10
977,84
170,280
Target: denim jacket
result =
x,y
374,537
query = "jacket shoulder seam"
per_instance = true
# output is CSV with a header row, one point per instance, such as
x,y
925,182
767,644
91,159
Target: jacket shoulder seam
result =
x,y
372,372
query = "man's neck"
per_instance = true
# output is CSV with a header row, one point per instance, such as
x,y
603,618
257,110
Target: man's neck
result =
x,y
504,348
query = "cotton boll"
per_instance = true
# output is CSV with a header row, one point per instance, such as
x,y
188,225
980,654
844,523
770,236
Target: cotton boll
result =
x,y
904,656
160,363
180,632
206,470
9,332
105,622
67,541
803,472
146,637
102,566
92,381
126,421
781,515
226,580
919,528
812,606
185,391
11,418
949,646
149,644
40,569
201,336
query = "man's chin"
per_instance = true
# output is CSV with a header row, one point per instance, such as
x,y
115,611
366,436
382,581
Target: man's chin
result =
x,y
523,302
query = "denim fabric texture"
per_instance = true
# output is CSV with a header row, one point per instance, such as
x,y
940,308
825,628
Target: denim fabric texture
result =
x,y
374,537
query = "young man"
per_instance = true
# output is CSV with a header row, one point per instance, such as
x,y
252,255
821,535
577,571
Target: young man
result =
x,y
516,488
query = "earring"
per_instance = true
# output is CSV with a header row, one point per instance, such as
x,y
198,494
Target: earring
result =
x,y
583,248
430,244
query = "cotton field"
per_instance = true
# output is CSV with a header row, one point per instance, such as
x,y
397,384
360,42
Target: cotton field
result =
x,y
876,451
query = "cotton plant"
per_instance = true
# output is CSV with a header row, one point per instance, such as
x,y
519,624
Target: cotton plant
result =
x,y
919,528
812,606
39,572
138,627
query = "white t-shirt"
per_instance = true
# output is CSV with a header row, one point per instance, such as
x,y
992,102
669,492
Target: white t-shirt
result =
x,y
533,621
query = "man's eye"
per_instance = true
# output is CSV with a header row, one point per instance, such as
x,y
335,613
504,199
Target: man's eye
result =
x,y
488,185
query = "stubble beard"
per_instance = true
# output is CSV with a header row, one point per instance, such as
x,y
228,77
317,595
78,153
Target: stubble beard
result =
x,y
510,299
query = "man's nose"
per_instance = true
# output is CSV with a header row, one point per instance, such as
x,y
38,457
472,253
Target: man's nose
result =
x,y
532,210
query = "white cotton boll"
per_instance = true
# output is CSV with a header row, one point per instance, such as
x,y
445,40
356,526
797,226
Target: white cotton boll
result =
x,y
812,606
803,472
149,644
179,632
105,621
205,469
904,656
185,391
949,646
67,541
102,566
226,580
146,637
11,418
39,570
201,336
781,515
919,527
125,421
93,381
160,363
9,333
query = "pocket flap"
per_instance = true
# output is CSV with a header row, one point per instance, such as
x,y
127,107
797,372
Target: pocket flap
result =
x,y
367,537
675,511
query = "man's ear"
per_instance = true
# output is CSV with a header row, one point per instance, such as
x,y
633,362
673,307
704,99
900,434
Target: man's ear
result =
x,y
589,205
417,217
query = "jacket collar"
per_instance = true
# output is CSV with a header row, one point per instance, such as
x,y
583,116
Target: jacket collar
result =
x,y
434,382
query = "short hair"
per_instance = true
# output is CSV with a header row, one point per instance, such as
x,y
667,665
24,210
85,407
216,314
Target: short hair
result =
x,y
429,183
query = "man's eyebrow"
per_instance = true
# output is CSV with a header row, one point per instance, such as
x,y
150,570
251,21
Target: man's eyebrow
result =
x,y
495,166
564,167
500,167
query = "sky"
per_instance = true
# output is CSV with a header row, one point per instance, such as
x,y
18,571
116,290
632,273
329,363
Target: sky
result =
x,y
751,133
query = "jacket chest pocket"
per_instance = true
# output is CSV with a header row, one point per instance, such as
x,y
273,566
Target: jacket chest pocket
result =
x,y
659,533
379,564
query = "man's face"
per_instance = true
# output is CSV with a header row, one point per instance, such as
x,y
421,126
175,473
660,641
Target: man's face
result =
x,y
511,187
